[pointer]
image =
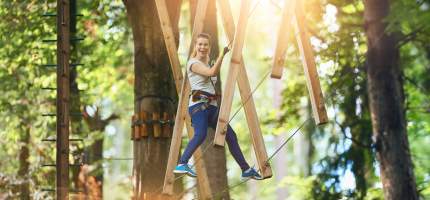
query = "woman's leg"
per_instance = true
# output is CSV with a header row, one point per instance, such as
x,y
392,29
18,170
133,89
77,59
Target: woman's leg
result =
x,y
231,139
233,146
200,125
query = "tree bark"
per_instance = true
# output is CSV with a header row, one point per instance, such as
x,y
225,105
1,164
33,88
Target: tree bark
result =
x,y
387,105
75,98
153,87
214,158
24,164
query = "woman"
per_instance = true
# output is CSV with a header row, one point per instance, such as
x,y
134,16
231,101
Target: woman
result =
x,y
203,108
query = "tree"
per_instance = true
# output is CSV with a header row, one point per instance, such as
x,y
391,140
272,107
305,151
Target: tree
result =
x,y
153,87
386,100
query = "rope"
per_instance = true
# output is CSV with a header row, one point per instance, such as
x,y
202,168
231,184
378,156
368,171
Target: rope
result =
x,y
253,9
249,97
231,187
273,154
234,115
288,139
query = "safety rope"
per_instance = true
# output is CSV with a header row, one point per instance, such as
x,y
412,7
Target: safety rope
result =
x,y
235,113
273,155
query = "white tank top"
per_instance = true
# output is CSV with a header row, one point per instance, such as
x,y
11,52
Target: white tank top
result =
x,y
200,82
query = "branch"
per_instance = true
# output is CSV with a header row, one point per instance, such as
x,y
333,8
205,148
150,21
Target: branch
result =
x,y
411,36
342,128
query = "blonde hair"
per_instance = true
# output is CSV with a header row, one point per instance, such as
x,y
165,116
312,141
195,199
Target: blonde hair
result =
x,y
200,35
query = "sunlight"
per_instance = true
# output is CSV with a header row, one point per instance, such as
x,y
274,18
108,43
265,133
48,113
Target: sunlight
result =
x,y
330,18
347,181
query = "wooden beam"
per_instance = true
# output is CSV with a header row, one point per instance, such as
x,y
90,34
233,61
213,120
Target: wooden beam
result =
x,y
169,40
175,145
308,59
202,178
245,93
183,88
63,97
234,69
284,33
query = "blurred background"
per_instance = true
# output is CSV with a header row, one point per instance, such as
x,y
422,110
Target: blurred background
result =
x,y
333,161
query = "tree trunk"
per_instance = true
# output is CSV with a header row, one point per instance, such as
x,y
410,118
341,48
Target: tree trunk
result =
x,y
75,100
387,105
94,155
24,164
214,158
154,86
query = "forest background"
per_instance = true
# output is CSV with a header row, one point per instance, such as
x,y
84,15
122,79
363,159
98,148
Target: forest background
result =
x,y
334,161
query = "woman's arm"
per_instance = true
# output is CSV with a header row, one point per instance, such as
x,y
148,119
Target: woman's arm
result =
x,y
199,68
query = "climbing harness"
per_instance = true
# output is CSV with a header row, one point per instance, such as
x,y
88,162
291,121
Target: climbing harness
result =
x,y
204,97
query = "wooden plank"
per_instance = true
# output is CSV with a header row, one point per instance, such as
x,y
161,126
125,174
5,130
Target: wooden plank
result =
x,y
202,178
166,130
234,69
169,40
253,123
63,97
175,145
183,86
308,59
156,127
245,93
227,19
284,33
179,82
133,120
143,128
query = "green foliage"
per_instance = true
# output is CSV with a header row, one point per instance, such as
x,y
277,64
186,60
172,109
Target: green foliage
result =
x,y
341,147
341,55
106,79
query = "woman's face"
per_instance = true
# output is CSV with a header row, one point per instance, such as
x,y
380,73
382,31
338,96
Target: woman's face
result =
x,y
202,47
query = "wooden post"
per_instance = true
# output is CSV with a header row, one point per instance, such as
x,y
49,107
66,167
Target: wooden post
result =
x,y
63,97
308,59
143,128
247,100
202,178
135,128
156,127
169,40
284,33
183,88
166,126
235,62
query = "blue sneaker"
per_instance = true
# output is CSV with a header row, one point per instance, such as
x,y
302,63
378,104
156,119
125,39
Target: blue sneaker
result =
x,y
251,173
184,169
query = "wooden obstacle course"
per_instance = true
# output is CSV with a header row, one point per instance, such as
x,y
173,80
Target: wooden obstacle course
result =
x,y
237,72
183,88
246,95
293,15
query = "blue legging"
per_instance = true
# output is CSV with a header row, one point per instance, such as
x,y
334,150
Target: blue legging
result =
x,y
201,121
